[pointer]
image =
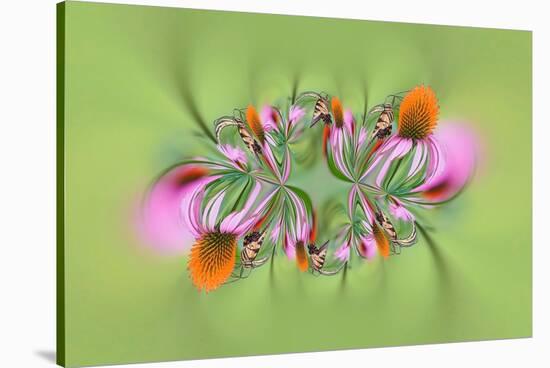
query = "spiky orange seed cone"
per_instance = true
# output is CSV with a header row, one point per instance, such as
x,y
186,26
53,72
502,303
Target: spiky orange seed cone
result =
x,y
337,112
382,242
253,120
418,113
301,257
212,260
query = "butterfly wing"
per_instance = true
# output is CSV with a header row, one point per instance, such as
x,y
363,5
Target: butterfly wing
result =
x,y
320,112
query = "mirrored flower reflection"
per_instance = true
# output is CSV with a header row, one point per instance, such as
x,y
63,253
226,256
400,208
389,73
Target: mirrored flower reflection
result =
x,y
374,206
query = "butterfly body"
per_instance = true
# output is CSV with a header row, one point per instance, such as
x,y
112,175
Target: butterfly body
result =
x,y
251,247
318,256
389,229
249,141
383,127
321,112
386,225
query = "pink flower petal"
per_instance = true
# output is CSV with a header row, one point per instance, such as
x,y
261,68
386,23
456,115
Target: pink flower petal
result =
x,y
161,222
436,161
289,248
272,163
342,253
301,221
389,144
295,113
401,148
459,148
400,212
286,166
362,137
377,160
368,224
367,247
349,122
234,154
366,207
232,221
245,226
336,140
191,212
276,231
211,210
419,159
266,116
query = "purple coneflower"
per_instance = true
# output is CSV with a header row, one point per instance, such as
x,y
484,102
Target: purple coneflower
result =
x,y
212,257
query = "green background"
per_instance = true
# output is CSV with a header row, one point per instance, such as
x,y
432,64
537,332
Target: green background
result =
x,y
129,71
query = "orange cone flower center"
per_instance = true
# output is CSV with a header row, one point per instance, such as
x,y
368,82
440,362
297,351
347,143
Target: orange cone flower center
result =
x,y
253,120
337,112
382,242
212,260
418,113
301,257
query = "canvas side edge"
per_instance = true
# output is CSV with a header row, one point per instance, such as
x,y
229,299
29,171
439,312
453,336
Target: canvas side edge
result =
x,y
60,184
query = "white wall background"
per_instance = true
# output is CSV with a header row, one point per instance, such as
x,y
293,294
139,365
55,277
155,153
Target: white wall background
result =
x,y
27,180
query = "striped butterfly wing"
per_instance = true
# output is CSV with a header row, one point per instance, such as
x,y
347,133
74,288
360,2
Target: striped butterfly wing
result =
x,y
318,256
383,126
251,246
245,135
321,111
251,143
387,226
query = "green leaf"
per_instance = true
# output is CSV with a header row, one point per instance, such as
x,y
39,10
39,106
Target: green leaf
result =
x,y
334,170
304,196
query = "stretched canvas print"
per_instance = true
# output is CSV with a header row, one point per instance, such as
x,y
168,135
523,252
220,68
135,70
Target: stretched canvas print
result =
x,y
238,184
